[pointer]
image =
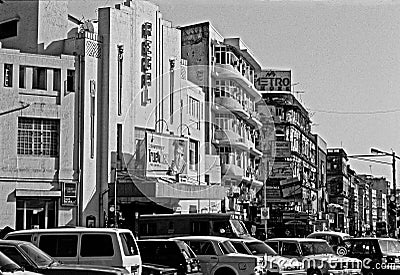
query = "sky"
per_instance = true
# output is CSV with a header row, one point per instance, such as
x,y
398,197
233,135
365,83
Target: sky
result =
x,y
344,55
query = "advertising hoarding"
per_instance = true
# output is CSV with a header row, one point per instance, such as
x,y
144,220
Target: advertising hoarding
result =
x,y
166,155
281,169
272,80
281,149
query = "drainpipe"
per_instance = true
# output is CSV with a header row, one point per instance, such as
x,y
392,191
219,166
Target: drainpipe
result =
x,y
81,107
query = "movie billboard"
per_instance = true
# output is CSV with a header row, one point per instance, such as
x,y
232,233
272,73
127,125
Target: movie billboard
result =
x,y
166,155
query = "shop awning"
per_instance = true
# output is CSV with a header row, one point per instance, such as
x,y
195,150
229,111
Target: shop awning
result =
x,y
36,193
166,188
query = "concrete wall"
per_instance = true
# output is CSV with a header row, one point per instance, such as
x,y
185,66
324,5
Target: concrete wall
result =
x,y
41,22
34,172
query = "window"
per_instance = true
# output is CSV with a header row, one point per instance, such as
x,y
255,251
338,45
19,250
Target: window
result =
x,y
274,246
202,248
14,255
194,107
119,141
193,155
92,115
8,75
70,80
59,245
128,244
57,80
38,137
39,78
9,29
290,249
22,79
96,245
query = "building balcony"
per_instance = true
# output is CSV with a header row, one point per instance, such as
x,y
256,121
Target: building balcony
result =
x,y
228,71
232,170
232,105
230,138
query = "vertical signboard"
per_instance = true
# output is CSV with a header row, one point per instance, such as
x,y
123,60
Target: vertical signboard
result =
x,y
69,194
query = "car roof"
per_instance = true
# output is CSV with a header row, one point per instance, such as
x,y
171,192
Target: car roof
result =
x,y
69,229
245,240
13,242
203,238
296,239
372,238
332,233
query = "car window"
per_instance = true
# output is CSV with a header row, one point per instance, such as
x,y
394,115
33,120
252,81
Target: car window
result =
x,y
96,245
363,247
389,246
202,248
260,248
36,255
274,246
59,245
315,248
290,249
240,247
128,244
13,253
227,247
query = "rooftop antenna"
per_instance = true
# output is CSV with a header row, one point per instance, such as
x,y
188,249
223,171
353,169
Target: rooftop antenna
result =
x,y
296,93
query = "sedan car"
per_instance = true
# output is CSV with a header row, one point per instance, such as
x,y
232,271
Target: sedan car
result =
x,y
31,258
379,255
218,256
334,239
317,257
271,261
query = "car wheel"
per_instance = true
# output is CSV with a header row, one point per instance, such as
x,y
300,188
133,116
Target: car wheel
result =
x,y
314,272
224,271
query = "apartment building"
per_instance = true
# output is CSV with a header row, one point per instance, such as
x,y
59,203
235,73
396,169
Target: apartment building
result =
x,y
225,68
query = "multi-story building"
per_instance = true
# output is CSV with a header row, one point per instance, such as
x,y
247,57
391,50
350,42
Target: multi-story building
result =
x,y
108,120
225,69
322,193
294,170
338,187
354,217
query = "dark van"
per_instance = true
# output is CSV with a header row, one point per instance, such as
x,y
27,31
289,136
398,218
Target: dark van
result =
x,y
199,224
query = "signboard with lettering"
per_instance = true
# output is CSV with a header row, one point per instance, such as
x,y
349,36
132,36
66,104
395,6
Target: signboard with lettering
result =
x,y
69,193
271,80
281,169
166,155
281,149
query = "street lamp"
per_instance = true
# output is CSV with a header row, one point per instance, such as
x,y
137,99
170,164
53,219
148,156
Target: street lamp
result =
x,y
180,127
393,155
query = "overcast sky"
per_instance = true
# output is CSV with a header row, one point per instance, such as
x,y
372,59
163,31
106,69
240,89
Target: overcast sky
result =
x,y
345,55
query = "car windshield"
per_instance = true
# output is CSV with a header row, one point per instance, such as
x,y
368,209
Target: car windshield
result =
x,y
389,246
38,256
313,248
239,227
260,248
7,265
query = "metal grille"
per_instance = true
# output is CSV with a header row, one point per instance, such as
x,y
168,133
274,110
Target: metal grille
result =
x,y
38,137
93,49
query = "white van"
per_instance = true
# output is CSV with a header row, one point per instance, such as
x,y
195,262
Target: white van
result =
x,y
113,247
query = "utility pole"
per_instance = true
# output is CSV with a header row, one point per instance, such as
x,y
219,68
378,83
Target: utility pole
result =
x,y
394,192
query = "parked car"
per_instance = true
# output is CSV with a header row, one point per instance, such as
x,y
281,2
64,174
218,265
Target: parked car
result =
x,y
172,253
379,255
218,256
316,255
271,261
9,267
335,239
94,246
31,258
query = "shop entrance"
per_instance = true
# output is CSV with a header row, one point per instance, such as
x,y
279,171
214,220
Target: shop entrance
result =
x,y
36,213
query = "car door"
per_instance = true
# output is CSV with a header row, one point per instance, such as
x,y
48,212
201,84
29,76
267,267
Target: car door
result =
x,y
206,254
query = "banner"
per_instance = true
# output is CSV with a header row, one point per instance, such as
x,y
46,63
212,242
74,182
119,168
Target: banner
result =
x,y
271,80
166,155
281,169
69,194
